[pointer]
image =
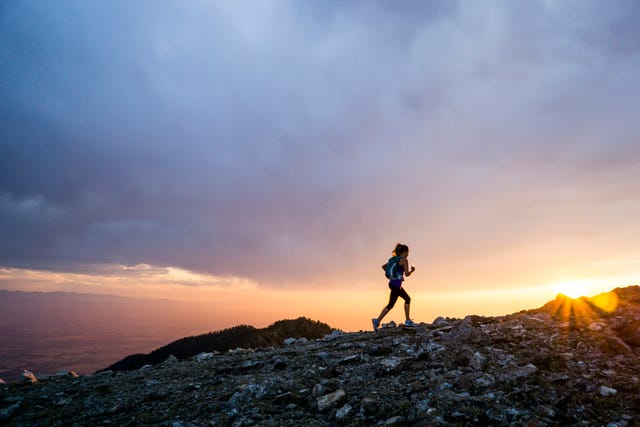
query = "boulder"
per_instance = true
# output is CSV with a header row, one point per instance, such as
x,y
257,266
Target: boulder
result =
x,y
330,399
343,413
318,390
398,420
202,356
484,381
596,326
29,377
525,371
440,321
631,334
336,333
615,345
171,360
464,332
478,361
607,391
369,404
393,364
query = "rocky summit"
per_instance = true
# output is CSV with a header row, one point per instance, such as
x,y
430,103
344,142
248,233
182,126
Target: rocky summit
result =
x,y
570,362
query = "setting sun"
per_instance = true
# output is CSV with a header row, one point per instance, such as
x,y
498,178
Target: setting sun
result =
x,y
572,289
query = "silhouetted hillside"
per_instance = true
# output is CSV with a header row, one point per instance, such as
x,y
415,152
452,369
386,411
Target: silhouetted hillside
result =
x,y
242,336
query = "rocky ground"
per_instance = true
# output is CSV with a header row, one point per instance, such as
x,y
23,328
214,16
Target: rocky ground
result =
x,y
571,362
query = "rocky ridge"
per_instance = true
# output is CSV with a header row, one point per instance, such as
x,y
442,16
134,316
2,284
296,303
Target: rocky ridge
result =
x,y
570,362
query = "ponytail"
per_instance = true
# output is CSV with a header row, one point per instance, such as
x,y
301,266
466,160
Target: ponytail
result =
x,y
400,248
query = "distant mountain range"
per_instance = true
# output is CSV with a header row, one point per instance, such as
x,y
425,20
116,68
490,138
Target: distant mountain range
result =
x,y
242,336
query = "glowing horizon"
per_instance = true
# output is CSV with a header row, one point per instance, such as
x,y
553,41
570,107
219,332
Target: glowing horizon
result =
x,y
234,300
266,160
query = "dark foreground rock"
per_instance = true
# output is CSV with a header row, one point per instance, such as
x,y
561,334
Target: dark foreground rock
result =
x,y
571,362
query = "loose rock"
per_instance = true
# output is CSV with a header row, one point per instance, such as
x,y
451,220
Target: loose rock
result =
x,y
343,412
171,360
607,391
330,399
28,376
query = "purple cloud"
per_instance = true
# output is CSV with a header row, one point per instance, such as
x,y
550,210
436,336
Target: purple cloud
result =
x,y
287,142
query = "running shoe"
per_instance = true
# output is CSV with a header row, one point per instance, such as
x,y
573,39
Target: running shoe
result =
x,y
409,322
376,323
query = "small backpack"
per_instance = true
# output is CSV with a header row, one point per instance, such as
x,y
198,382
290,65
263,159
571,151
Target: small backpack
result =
x,y
391,270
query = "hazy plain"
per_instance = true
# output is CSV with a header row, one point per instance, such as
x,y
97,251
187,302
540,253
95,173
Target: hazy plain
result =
x,y
49,332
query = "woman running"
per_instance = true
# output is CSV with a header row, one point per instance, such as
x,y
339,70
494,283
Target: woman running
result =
x,y
397,270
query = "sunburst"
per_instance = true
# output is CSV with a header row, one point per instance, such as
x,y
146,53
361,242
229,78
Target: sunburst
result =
x,y
573,289
583,310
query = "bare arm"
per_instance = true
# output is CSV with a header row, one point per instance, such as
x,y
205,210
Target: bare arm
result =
x,y
405,265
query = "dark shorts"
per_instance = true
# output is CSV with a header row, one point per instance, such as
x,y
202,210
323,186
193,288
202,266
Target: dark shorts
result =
x,y
395,293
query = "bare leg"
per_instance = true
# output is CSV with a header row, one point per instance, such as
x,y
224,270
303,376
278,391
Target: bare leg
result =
x,y
406,311
382,314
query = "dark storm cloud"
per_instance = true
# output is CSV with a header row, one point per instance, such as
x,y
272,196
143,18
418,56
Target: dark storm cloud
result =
x,y
230,138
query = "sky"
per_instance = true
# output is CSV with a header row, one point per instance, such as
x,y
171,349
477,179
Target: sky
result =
x,y
267,156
